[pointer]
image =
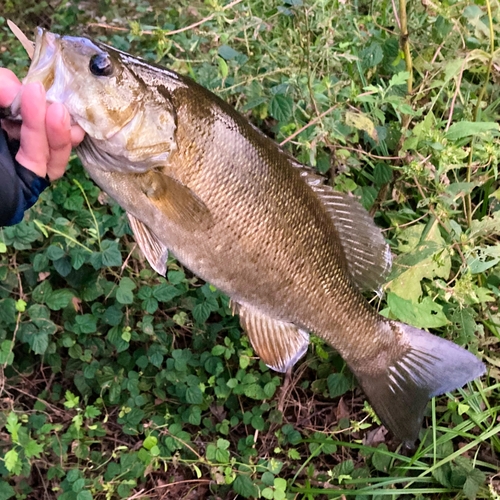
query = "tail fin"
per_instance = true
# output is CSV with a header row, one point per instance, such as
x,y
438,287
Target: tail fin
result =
x,y
429,366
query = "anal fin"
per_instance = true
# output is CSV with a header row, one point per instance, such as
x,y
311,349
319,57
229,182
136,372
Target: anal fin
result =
x,y
153,249
278,343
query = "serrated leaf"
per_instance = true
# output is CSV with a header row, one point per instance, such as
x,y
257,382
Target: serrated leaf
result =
x,y
33,449
58,299
111,255
281,107
39,342
423,259
338,384
371,55
6,490
201,312
244,486
475,479
424,314
12,462
165,292
194,396
462,129
380,460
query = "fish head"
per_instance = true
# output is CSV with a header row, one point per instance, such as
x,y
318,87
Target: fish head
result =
x,y
129,123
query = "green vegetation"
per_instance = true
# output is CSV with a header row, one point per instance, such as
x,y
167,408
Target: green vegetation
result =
x,y
117,383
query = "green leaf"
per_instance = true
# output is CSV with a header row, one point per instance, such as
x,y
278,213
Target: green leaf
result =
x,y
425,314
338,384
462,129
165,292
149,442
39,342
33,449
281,107
12,462
380,460
58,299
475,479
124,293
244,486
201,312
13,425
111,255
84,495
6,490
227,52
371,55
176,277
194,395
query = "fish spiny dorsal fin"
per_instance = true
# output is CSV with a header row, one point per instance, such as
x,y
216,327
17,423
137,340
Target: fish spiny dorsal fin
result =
x,y
278,343
152,248
368,255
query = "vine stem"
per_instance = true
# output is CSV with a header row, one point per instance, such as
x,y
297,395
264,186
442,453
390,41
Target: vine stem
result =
x,y
405,42
468,201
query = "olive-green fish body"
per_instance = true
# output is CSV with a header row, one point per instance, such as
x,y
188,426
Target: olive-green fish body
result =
x,y
198,180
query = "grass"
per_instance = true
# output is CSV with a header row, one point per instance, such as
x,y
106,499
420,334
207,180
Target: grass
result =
x,y
117,383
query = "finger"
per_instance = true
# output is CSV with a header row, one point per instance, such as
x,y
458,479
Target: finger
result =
x,y
58,128
77,135
9,87
34,150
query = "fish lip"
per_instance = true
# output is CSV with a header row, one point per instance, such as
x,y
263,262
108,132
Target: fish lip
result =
x,y
43,64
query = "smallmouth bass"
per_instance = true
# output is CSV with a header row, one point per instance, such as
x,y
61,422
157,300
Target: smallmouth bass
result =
x,y
198,180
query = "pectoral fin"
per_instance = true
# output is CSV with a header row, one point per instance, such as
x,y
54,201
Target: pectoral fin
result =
x,y
279,344
152,248
175,200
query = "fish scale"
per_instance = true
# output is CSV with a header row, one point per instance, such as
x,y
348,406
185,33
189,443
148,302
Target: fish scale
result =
x,y
198,180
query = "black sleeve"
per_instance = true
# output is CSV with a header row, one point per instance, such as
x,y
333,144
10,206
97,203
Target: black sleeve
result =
x,y
19,187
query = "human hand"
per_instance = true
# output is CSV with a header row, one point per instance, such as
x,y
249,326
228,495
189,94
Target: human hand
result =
x,y
46,135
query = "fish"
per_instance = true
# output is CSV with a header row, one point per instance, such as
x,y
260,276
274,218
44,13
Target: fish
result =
x,y
199,181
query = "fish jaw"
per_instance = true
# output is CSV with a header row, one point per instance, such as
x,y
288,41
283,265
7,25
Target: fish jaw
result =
x,y
129,127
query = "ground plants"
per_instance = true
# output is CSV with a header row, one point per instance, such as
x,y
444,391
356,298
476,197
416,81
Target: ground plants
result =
x,y
116,383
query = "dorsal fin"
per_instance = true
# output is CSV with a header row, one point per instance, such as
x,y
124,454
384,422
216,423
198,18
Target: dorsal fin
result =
x,y
278,343
368,255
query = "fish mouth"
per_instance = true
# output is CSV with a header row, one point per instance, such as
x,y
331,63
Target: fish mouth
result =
x,y
43,65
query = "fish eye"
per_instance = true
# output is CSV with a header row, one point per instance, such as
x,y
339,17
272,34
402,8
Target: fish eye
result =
x,y
101,65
